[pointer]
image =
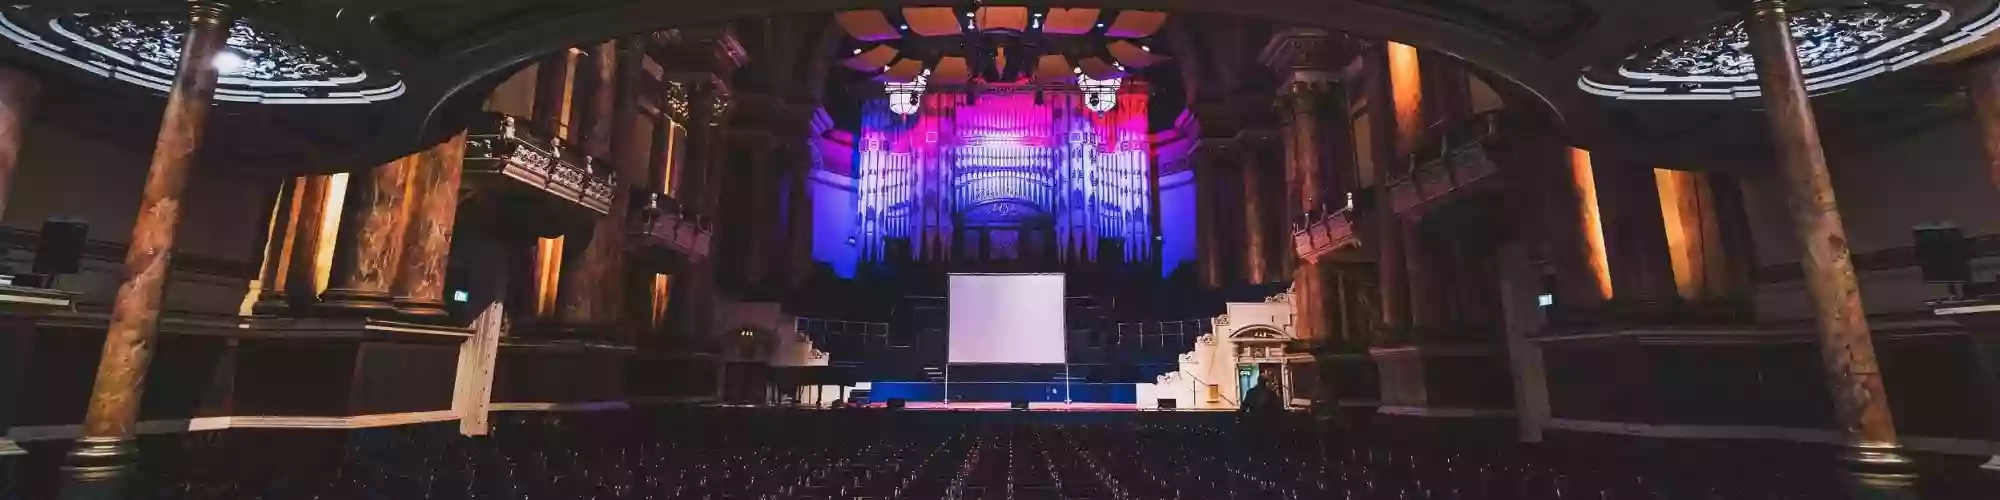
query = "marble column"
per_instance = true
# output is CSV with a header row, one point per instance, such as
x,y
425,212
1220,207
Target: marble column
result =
x,y
369,244
799,217
1209,210
271,275
589,285
554,77
18,92
1635,234
1984,89
104,453
1565,223
1425,307
419,287
1847,349
307,235
1258,210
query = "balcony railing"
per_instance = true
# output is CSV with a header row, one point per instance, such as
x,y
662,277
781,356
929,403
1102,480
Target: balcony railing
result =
x,y
1455,157
1325,229
665,223
499,149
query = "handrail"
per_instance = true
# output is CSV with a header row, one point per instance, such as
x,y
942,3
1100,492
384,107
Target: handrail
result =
x,y
1443,138
1324,211
654,205
1205,384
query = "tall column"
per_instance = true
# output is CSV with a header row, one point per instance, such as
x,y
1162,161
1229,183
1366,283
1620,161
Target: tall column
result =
x,y
370,242
1984,87
1635,233
1209,184
589,282
308,235
1847,350
419,285
278,247
1257,210
555,78
1419,254
1386,227
798,218
18,91
104,452
1301,56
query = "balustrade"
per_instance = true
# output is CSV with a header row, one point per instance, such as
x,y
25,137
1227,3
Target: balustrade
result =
x,y
1326,228
1454,157
501,156
668,224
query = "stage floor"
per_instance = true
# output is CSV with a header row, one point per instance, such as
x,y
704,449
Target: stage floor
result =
x,y
1003,406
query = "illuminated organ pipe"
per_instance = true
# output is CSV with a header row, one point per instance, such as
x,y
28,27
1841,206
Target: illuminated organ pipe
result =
x,y
1001,165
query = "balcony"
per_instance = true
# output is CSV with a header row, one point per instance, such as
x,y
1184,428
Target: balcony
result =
x,y
1455,159
663,224
1325,230
502,160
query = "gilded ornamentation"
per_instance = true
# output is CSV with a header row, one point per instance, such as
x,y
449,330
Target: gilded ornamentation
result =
x,y
675,101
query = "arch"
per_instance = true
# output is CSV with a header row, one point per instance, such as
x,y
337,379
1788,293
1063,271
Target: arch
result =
x,y
460,67
1260,332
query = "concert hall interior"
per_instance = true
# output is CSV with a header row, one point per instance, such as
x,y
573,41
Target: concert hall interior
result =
x,y
1107,249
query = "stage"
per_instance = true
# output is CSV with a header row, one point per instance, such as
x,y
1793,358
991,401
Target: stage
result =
x,y
1032,406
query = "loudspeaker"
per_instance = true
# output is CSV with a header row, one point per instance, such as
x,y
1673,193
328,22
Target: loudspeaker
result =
x,y
61,248
1169,403
897,403
1943,254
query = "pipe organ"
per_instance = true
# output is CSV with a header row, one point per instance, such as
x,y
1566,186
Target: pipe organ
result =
x,y
1005,175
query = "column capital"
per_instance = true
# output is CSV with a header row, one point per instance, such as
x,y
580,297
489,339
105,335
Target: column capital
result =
x,y
1303,55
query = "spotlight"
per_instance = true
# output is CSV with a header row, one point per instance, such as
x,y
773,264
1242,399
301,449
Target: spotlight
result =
x,y
1100,25
968,14
228,61
857,52
906,27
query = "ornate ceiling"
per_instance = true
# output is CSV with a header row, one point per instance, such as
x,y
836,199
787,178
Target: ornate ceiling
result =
x,y
446,51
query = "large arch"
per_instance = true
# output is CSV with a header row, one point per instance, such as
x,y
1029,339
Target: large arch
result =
x,y
447,49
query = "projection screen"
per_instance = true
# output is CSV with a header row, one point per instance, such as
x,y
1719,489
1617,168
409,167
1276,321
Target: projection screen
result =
x,y
1007,318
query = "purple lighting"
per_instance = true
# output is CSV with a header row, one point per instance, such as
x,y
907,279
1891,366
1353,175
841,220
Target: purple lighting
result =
x,y
1006,176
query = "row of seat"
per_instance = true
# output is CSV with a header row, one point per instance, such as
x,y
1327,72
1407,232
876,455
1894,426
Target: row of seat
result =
x,y
779,454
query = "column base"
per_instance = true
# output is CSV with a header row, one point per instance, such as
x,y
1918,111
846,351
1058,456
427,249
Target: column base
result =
x,y
99,467
420,310
1880,471
355,303
271,305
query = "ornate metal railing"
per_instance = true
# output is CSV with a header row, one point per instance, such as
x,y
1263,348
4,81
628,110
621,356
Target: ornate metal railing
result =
x,y
1454,157
1325,229
500,148
663,222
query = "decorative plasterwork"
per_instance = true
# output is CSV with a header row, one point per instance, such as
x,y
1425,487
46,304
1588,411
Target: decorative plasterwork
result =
x,y
1836,46
257,65
1303,55
1543,21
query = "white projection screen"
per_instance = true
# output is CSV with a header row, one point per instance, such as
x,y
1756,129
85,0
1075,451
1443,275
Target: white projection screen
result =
x,y
1007,318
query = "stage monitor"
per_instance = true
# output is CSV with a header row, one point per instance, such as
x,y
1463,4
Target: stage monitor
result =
x,y
1007,318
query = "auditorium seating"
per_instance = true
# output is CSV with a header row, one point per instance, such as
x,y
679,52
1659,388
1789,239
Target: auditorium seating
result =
x,y
866,454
